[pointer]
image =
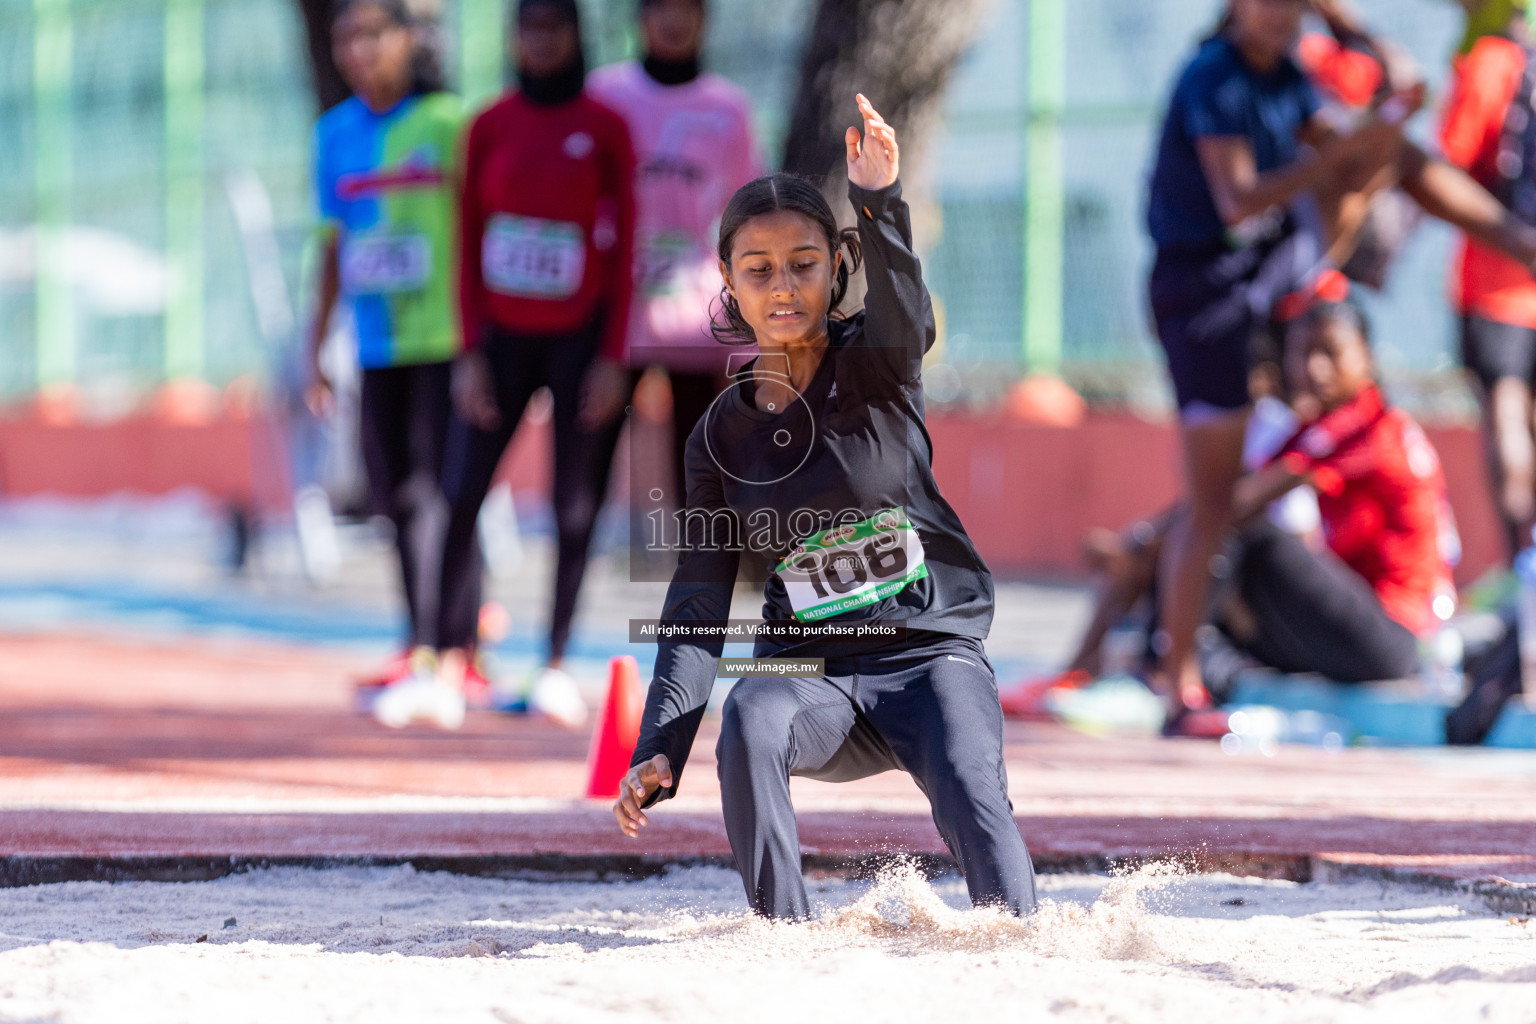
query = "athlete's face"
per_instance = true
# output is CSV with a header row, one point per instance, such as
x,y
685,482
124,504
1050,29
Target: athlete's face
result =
x,y
1327,360
373,54
673,29
546,42
1271,26
781,273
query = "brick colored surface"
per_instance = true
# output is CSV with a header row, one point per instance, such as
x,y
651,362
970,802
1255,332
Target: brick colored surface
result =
x,y
111,748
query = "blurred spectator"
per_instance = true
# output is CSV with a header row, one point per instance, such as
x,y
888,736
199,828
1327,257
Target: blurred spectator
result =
x,y
694,147
1353,612
1230,241
1354,617
547,249
1356,71
1126,564
1489,130
382,169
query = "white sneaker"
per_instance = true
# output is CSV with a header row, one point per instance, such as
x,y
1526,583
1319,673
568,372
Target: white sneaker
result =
x,y
420,697
556,696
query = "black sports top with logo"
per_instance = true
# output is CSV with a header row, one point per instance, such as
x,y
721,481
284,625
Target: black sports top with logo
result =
x,y
835,494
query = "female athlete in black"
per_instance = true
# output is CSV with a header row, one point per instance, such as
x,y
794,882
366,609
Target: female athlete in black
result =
x,y
817,458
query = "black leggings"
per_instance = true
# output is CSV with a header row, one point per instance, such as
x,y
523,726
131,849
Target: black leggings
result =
x,y
520,365
1314,613
404,428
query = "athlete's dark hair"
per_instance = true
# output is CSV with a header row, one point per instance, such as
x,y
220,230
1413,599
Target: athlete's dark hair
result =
x,y
771,194
1346,313
427,58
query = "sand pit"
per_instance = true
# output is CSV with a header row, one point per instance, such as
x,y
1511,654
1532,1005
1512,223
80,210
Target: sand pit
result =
x,y
391,945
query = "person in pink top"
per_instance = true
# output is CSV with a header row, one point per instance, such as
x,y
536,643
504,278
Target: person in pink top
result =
x,y
694,146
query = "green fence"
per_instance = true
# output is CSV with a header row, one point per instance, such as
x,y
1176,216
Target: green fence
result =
x,y
131,125
144,139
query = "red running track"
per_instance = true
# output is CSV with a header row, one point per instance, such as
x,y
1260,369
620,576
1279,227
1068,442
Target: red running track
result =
x,y
122,757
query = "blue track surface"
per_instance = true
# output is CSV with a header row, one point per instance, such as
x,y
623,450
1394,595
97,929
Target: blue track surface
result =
x,y
28,607
149,610
1378,715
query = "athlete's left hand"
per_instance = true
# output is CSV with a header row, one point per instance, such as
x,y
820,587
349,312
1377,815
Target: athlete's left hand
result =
x,y
604,393
874,161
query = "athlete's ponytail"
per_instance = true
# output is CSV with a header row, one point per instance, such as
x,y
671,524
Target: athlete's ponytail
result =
x,y
772,194
427,53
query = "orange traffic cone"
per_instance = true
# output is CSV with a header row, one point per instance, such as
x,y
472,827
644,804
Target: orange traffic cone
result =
x,y
618,730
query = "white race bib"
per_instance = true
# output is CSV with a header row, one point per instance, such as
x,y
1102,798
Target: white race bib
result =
x,y
532,257
850,566
386,262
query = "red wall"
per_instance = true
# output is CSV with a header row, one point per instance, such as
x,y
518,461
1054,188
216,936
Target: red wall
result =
x,y
232,459
1025,492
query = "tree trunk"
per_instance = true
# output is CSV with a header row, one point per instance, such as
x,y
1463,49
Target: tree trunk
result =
x,y
329,88
900,54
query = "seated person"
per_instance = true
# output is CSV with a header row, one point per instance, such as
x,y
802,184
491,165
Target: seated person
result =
x,y
1354,612
1124,563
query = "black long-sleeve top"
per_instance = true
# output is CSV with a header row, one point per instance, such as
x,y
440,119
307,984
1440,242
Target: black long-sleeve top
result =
x,y
857,441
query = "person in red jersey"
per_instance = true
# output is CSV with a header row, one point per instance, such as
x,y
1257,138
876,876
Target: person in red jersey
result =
x,y
1355,612
1487,130
1381,491
547,220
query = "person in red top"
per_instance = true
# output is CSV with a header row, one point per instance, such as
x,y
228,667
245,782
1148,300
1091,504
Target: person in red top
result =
x,y
547,244
1496,295
1380,492
1354,613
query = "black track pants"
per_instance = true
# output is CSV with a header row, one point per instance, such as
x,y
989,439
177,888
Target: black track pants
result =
x,y
520,365
404,427
1314,613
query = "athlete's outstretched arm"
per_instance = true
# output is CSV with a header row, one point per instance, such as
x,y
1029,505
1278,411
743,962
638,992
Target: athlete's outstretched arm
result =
x,y
899,323
1449,193
700,592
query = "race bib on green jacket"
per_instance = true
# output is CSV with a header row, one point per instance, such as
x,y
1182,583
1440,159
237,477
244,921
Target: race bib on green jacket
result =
x,y
384,262
850,566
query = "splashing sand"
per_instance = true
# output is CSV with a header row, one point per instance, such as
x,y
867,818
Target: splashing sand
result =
x,y
391,945
905,912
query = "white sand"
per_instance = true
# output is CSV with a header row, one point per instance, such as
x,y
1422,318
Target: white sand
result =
x,y
390,945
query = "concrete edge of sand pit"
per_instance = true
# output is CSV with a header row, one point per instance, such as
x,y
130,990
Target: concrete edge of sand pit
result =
x,y
25,870
1501,895
1467,875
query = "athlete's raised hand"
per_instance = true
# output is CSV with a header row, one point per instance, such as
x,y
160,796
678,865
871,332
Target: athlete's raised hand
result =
x,y
873,158
636,788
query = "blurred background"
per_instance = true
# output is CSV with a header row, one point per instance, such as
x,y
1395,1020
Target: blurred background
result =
x,y
155,206
157,241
